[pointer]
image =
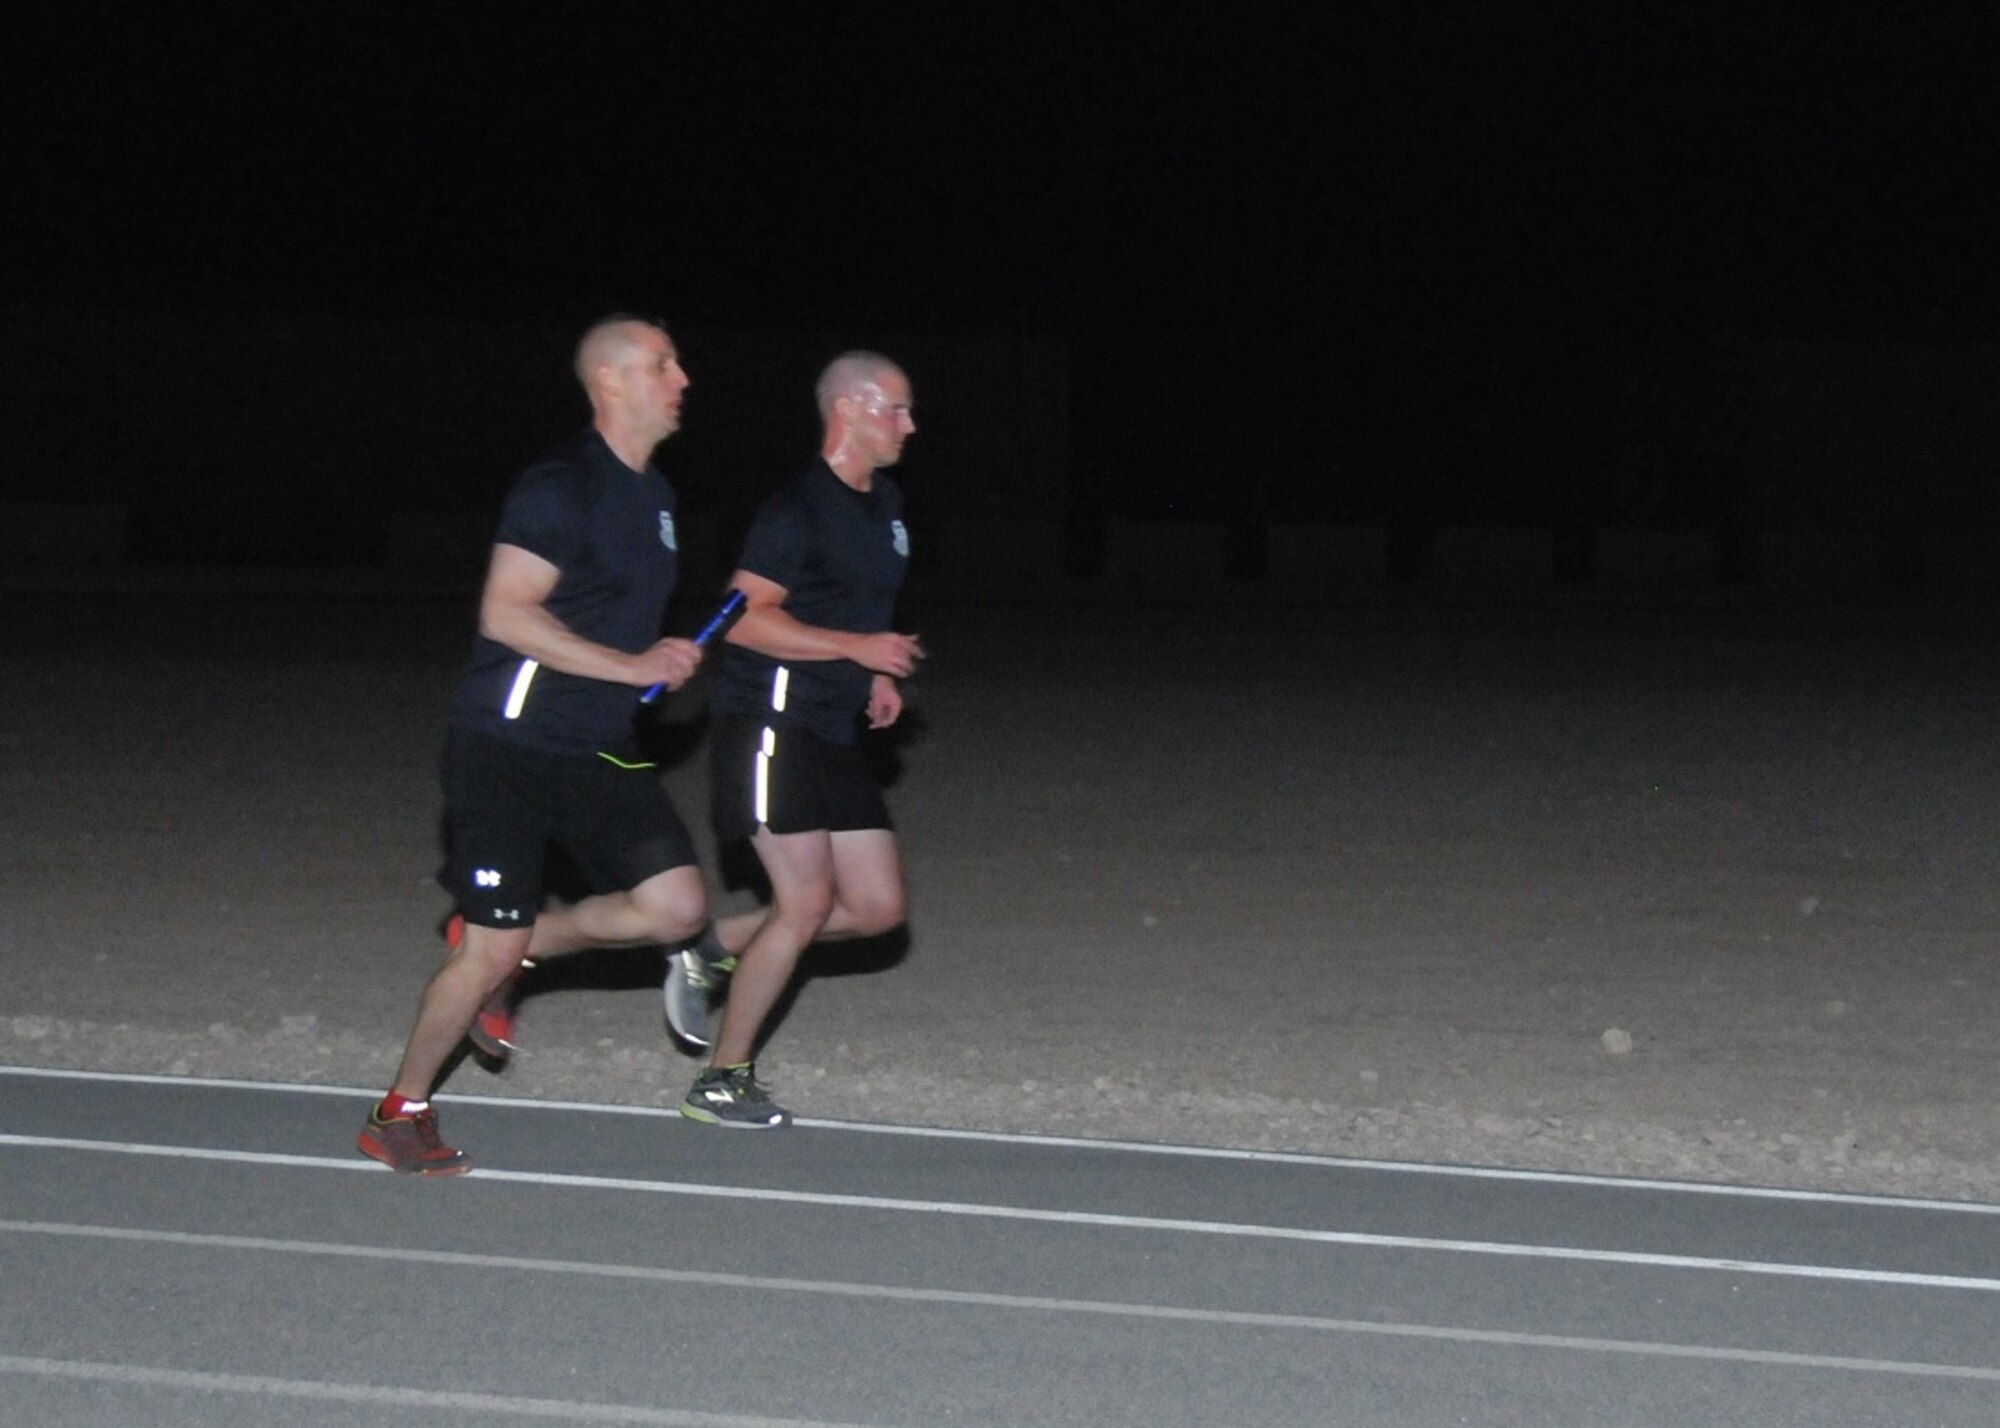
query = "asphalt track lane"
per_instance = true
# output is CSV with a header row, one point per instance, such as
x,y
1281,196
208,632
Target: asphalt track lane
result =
x,y
833,1274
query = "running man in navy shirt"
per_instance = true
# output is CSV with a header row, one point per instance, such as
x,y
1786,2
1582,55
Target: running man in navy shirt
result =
x,y
540,743
812,658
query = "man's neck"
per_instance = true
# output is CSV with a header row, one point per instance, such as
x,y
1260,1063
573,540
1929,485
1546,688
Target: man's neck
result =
x,y
633,450
851,469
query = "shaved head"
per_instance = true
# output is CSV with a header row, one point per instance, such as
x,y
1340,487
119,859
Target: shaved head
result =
x,y
869,412
633,377
611,341
850,374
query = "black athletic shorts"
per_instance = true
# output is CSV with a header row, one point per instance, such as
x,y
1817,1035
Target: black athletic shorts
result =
x,y
788,779
506,804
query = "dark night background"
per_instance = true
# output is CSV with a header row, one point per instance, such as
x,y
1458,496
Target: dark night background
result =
x,y
1410,265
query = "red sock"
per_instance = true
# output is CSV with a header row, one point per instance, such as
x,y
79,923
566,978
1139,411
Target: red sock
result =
x,y
395,1106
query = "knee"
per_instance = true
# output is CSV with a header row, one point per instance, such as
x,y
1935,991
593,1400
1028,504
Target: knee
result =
x,y
681,919
496,953
805,910
673,908
881,910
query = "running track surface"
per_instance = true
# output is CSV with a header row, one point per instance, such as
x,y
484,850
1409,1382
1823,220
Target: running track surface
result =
x,y
196,1252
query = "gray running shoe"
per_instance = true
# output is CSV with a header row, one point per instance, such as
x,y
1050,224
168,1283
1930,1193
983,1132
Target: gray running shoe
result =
x,y
697,983
730,1096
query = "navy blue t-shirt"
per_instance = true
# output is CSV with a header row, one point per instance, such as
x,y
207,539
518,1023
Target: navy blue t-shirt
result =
x,y
840,554
610,531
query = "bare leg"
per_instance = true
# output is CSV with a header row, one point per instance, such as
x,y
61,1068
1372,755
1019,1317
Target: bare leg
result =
x,y
869,897
847,884
866,901
486,957
668,908
735,932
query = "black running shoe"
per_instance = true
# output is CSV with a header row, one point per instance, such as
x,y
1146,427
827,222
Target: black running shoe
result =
x,y
730,1096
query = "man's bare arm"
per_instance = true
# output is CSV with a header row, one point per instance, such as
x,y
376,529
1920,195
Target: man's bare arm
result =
x,y
767,628
513,610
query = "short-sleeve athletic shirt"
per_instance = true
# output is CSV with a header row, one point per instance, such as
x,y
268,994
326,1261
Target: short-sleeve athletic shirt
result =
x,y
609,530
840,554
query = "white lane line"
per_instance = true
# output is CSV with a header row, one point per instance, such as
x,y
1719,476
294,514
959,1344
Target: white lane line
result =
x,y
1192,1152
85,1371
967,1298
1093,1219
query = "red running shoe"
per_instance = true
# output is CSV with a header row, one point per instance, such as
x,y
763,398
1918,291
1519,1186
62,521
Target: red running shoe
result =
x,y
410,1145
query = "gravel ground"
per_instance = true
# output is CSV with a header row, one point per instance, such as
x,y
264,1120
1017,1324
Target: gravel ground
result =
x,y
1702,895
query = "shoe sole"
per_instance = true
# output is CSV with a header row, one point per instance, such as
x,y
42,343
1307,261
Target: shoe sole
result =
x,y
677,979
685,1039
489,1047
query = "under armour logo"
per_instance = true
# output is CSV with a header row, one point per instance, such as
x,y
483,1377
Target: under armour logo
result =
x,y
899,536
487,877
667,530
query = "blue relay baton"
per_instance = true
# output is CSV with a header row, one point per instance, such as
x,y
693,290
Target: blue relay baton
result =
x,y
721,620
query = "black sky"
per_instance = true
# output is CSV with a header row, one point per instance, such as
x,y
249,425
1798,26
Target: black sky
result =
x,y
1255,225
